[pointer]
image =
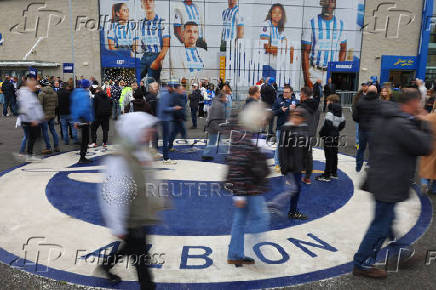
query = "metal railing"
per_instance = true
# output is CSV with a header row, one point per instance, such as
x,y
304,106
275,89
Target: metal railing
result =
x,y
346,98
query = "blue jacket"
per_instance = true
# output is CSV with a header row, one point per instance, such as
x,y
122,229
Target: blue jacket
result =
x,y
165,111
81,106
282,117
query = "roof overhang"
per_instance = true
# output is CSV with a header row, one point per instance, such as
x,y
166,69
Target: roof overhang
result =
x,y
27,63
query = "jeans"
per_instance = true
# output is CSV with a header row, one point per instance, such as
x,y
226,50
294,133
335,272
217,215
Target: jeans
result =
x,y
34,133
166,133
294,180
270,127
276,153
251,218
357,133
176,128
229,105
85,140
10,102
145,69
116,110
364,137
65,123
134,246
104,123
331,159
379,230
194,117
25,139
49,125
211,147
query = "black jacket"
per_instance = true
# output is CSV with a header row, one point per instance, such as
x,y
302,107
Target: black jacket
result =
x,y
195,98
333,124
151,99
64,102
268,95
366,110
8,88
293,145
398,139
329,89
102,105
179,100
282,117
311,115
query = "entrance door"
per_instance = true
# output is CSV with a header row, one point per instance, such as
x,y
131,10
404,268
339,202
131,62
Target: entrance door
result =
x,y
401,77
119,74
345,81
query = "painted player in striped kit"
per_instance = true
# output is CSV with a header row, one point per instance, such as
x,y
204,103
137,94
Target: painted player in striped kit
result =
x,y
121,34
187,62
323,41
233,24
184,12
154,41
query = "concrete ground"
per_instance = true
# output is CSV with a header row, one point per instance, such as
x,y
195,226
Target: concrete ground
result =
x,y
420,276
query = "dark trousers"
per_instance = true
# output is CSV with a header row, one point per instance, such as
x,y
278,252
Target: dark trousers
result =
x,y
201,110
135,246
85,140
308,163
294,180
104,123
155,139
331,159
364,139
10,102
176,128
34,134
194,116
270,132
166,131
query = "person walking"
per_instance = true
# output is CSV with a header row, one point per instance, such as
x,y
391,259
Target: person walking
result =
x,y
329,89
363,90
318,92
293,148
151,97
64,104
310,107
49,100
31,115
427,168
216,116
334,123
399,136
194,99
281,109
116,95
128,218
365,112
269,96
102,113
138,104
247,179
253,95
82,114
178,124
8,90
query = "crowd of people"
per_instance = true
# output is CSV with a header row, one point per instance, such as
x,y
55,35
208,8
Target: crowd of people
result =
x,y
397,124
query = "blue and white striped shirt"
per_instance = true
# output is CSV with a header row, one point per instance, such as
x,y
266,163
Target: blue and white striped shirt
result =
x,y
193,60
272,33
152,34
231,20
325,37
122,35
187,13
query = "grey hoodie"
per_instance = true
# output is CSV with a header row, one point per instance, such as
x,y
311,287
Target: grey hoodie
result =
x,y
30,108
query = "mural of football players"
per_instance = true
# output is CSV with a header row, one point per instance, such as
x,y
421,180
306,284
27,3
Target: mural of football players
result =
x,y
323,41
187,61
184,12
153,41
120,35
273,28
233,24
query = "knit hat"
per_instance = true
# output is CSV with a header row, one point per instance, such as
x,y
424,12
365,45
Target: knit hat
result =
x,y
85,84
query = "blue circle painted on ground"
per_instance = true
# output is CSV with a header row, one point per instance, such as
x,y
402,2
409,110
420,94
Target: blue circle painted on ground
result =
x,y
202,209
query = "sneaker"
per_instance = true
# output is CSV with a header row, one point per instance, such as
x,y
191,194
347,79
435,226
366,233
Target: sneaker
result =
x,y
323,178
372,272
84,161
33,158
115,279
104,145
157,156
277,169
57,149
169,162
245,260
93,145
334,176
46,151
172,150
297,216
306,181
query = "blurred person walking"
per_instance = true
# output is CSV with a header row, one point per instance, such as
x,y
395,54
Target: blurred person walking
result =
x,y
116,95
253,95
427,166
151,97
216,116
128,213
82,114
334,123
178,124
49,100
269,96
194,99
8,90
329,89
247,180
399,136
64,101
31,115
102,113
